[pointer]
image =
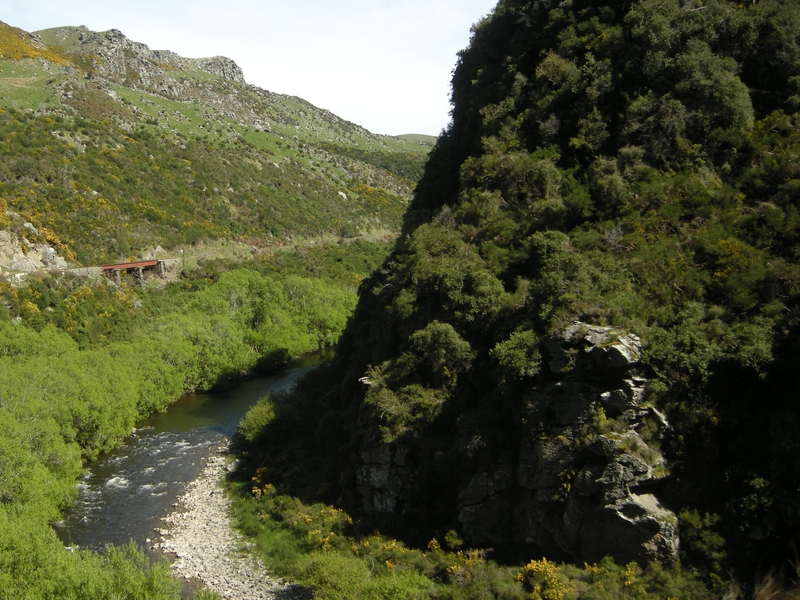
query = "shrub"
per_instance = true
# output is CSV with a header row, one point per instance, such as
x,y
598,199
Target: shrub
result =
x,y
256,419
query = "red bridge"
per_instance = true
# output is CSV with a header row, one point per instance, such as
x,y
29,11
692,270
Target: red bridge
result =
x,y
137,269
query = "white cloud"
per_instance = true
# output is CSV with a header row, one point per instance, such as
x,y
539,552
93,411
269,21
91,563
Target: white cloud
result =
x,y
384,64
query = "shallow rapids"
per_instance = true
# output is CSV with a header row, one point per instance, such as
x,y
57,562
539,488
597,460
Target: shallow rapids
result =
x,y
125,493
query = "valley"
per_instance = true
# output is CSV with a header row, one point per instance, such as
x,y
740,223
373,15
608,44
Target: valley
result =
x,y
560,339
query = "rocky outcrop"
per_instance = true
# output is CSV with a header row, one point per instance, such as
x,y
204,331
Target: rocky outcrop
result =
x,y
112,58
116,59
383,476
579,482
121,59
220,66
15,255
588,446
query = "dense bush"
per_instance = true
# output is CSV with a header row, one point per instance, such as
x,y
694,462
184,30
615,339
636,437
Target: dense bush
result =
x,y
631,164
321,547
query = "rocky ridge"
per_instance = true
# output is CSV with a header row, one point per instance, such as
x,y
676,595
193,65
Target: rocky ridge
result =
x,y
114,59
120,59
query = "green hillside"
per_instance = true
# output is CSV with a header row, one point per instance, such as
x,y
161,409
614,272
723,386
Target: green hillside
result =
x,y
415,137
574,377
112,148
107,151
619,183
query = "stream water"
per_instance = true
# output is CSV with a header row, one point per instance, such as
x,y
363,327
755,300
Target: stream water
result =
x,y
124,494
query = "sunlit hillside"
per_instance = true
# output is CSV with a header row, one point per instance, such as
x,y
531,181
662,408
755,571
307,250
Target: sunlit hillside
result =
x,y
113,148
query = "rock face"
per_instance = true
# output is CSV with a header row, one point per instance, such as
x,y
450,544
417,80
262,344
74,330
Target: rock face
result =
x,y
122,59
580,484
383,477
16,256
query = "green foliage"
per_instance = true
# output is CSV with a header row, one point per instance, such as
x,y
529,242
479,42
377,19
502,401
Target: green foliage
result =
x,y
607,580
256,419
701,540
206,595
34,565
82,361
626,164
518,355
332,576
405,165
321,547
437,356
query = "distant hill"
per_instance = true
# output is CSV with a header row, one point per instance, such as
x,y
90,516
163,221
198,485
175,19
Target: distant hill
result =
x,y
113,148
419,138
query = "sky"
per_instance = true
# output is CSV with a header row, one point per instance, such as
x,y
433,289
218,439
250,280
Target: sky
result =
x,y
383,64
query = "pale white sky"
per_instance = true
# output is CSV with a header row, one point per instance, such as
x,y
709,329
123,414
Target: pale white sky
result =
x,y
383,64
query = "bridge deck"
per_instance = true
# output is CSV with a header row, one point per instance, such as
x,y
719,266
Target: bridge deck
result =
x,y
130,265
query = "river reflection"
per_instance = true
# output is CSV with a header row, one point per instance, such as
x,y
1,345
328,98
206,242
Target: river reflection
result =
x,y
124,494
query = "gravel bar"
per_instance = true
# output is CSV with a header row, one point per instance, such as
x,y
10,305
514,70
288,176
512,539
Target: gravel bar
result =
x,y
207,549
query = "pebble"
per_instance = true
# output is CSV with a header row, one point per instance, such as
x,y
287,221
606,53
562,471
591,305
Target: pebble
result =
x,y
206,548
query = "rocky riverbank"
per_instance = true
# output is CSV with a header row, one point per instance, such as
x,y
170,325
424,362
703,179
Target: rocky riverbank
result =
x,y
205,547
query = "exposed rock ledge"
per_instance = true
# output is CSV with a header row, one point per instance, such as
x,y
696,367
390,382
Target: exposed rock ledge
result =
x,y
18,256
199,534
582,479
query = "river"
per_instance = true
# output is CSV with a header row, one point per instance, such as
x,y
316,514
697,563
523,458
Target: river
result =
x,y
124,494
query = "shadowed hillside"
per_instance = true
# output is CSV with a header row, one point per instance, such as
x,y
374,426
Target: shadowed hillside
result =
x,y
581,344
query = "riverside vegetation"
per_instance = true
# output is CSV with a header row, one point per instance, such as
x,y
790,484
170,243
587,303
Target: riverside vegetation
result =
x,y
110,150
632,166
81,362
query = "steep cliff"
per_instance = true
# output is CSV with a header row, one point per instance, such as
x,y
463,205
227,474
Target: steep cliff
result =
x,y
570,348
579,487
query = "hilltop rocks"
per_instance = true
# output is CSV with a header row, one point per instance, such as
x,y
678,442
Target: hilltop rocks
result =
x,y
220,66
123,59
118,59
581,481
115,59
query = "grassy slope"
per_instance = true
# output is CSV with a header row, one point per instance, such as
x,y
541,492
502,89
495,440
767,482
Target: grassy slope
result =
x,y
109,169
